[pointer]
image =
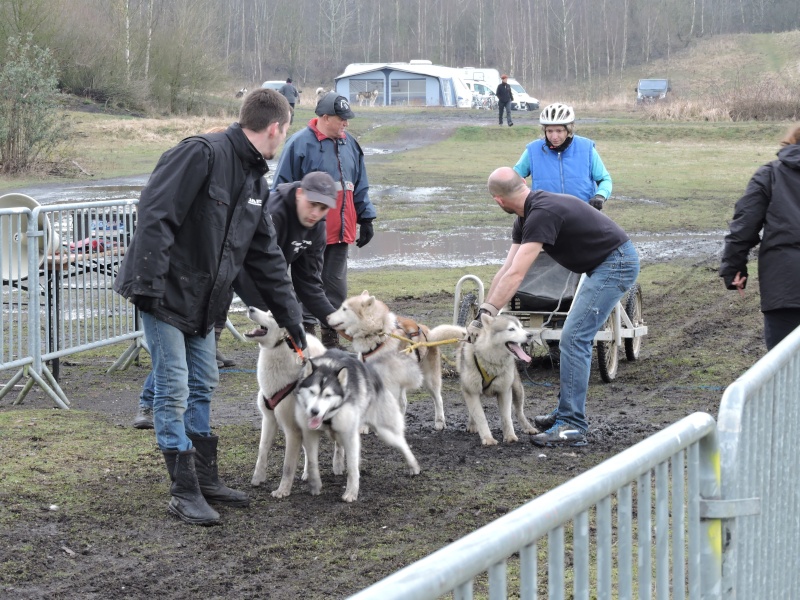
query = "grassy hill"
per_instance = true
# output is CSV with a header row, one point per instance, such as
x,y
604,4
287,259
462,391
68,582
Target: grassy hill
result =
x,y
709,69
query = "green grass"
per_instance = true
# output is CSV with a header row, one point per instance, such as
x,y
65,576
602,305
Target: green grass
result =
x,y
689,175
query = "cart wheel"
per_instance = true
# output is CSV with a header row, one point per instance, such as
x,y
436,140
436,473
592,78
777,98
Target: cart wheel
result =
x,y
633,308
608,355
468,310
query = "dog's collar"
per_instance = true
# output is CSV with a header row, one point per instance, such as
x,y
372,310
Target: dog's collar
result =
x,y
328,420
275,399
487,381
365,355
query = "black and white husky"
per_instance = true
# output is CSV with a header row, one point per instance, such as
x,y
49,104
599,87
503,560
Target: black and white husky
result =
x,y
340,393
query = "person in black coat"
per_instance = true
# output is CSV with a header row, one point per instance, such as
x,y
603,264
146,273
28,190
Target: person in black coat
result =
x,y
504,98
770,203
201,222
298,211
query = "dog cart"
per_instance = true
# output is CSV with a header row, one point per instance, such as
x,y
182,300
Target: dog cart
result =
x,y
542,304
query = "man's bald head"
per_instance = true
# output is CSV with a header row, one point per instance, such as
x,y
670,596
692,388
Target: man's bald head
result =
x,y
506,183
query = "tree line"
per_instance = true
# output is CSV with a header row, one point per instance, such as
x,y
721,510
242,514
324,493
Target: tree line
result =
x,y
168,54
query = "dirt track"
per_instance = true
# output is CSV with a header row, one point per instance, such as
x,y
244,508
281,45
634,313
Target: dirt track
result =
x,y
112,538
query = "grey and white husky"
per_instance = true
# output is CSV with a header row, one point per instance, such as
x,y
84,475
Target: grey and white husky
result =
x,y
487,366
340,393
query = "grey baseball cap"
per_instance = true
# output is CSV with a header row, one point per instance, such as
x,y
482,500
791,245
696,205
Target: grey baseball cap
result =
x,y
319,187
334,104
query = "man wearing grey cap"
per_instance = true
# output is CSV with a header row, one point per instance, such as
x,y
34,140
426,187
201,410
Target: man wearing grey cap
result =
x,y
326,146
298,212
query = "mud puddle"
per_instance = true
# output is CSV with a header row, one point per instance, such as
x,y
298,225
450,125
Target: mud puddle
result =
x,y
461,247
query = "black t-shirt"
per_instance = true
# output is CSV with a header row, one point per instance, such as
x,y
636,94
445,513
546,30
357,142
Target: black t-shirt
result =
x,y
577,236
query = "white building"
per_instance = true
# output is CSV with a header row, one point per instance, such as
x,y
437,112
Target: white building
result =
x,y
415,83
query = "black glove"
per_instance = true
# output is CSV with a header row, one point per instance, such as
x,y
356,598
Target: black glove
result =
x,y
297,332
145,303
365,233
597,202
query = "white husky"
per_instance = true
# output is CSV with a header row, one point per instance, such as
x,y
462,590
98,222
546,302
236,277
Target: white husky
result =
x,y
338,394
371,326
487,367
279,370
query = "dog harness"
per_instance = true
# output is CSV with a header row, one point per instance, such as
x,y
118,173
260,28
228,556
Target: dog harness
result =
x,y
486,379
275,399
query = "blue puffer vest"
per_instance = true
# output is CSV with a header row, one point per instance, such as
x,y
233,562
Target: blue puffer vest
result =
x,y
567,172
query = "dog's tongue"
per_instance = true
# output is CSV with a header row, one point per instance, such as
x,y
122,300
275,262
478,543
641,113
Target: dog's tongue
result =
x,y
517,349
315,422
257,332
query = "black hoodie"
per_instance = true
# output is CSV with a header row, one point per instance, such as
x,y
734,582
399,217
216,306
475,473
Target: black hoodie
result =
x,y
771,202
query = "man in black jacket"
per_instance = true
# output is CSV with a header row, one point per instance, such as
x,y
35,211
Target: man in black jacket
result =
x,y
298,212
201,222
504,98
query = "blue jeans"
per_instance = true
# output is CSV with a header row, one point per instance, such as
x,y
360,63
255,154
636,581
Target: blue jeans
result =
x,y
148,392
184,377
598,295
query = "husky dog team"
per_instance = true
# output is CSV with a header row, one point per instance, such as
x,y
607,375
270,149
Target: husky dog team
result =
x,y
194,244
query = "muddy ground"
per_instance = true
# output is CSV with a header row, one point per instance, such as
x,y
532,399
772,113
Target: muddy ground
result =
x,y
101,531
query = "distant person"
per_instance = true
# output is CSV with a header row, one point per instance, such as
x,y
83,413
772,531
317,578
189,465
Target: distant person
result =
x,y
291,94
770,203
326,146
202,222
563,162
582,240
505,96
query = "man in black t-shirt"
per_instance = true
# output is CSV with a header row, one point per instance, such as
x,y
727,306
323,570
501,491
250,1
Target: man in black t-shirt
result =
x,y
583,240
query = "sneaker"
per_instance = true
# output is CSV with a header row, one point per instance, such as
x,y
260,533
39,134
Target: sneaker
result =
x,y
143,419
545,422
560,434
510,124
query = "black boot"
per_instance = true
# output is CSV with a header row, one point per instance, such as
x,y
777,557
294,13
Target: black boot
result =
x,y
187,501
213,488
221,360
330,338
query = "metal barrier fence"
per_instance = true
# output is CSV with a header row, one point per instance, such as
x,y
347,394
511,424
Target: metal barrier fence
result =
x,y
675,466
759,429
726,514
59,263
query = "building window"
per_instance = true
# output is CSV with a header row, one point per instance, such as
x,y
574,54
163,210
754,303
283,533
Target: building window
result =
x,y
408,92
362,92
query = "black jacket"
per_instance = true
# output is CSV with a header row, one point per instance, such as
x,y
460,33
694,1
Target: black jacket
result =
x,y
771,202
303,249
201,220
504,93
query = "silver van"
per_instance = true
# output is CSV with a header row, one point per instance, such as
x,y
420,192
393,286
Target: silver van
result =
x,y
650,90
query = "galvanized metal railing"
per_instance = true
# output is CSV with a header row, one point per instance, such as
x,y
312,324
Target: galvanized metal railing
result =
x,y
663,481
729,529
59,263
759,435
17,349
